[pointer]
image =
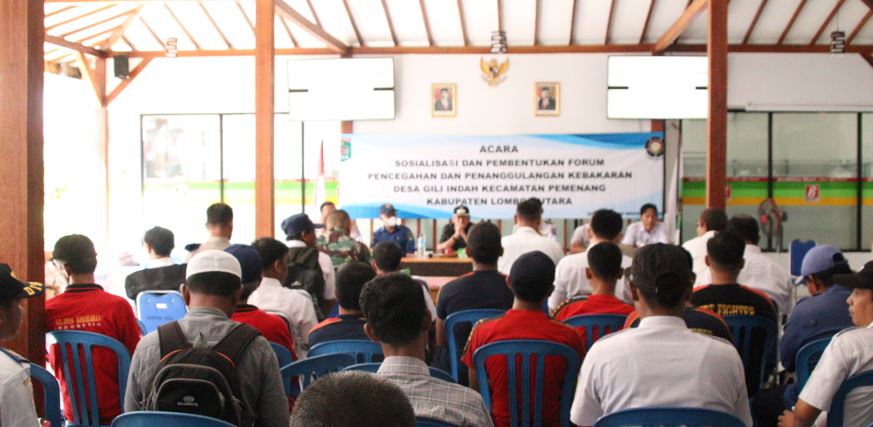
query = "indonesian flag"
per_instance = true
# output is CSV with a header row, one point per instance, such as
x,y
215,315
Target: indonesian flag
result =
x,y
320,185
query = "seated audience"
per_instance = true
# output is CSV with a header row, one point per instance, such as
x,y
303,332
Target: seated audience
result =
x,y
397,318
272,327
710,221
84,306
660,363
580,241
16,406
454,235
219,224
570,277
386,259
647,230
160,272
392,230
295,305
308,268
352,399
848,354
484,287
212,293
337,243
603,271
349,325
527,238
531,281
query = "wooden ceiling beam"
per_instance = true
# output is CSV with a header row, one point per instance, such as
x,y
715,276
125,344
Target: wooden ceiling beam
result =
x,y
182,26
463,24
537,13
246,17
609,22
754,21
288,30
426,23
152,32
91,74
128,42
390,22
573,23
230,52
314,13
645,31
78,17
672,34
57,41
61,10
316,31
214,24
119,32
791,21
868,57
354,24
499,15
82,40
859,27
126,82
827,21
94,24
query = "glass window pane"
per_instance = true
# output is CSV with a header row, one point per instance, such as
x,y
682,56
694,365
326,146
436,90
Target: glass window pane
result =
x,y
238,153
867,170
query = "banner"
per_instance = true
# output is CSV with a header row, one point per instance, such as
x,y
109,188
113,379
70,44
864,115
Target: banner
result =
x,y
574,175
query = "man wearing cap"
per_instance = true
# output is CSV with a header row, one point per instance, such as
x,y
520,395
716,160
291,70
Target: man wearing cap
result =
x,y
271,326
219,224
16,406
531,281
454,235
84,306
212,292
662,362
301,239
392,230
848,354
527,238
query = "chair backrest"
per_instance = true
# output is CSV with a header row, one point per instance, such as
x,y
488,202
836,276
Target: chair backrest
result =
x,y
374,367
797,251
596,325
363,351
837,412
807,357
142,328
462,317
154,418
282,353
51,394
154,308
427,422
690,417
76,349
309,369
527,350
743,330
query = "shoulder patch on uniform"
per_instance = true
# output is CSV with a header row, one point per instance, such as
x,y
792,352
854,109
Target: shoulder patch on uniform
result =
x,y
324,323
567,302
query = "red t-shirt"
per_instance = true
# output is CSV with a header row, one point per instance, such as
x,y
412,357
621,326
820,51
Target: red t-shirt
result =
x,y
518,325
88,308
271,326
592,304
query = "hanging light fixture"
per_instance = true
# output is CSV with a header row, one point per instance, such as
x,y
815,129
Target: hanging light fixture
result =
x,y
498,41
172,47
838,41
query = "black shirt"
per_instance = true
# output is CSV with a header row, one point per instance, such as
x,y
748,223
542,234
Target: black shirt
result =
x,y
343,327
449,230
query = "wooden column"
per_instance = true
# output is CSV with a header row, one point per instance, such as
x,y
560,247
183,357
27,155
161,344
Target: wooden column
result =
x,y
716,124
21,148
264,69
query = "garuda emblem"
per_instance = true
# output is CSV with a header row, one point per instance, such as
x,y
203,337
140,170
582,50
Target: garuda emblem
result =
x,y
493,72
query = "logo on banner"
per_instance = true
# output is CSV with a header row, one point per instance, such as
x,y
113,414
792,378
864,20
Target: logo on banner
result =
x,y
655,146
345,149
813,193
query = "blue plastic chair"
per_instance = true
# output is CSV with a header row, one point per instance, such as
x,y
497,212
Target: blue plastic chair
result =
x,y
807,357
797,251
374,367
142,328
526,350
459,318
311,368
602,324
284,357
741,328
427,422
668,417
363,351
155,418
51,394
71,344
836,414
154,308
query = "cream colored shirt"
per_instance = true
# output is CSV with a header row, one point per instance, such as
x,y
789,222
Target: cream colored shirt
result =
x,y
697,248
570,280
295,305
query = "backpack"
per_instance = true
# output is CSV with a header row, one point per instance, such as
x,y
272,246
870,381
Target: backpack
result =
x,y
305,273
200,380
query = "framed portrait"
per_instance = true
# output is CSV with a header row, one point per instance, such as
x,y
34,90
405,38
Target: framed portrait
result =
x,y
444,100
547,99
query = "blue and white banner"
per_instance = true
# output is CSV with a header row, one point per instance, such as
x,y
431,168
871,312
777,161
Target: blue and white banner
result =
x,y
574,175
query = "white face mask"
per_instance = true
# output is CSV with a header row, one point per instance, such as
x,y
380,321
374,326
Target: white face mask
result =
x,y
392,222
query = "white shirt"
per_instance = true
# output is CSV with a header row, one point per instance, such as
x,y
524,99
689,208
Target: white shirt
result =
x,y
16,390
637,236
660,363
158,262
697,248
570,280
763,274
580,236
848,354
525,240
428,298
326,270
295,305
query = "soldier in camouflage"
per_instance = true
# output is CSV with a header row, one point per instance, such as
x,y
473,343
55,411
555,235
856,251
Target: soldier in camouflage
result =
x,y
338,244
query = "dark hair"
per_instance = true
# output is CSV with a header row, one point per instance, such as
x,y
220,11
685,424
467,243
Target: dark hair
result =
x,y
605,260
746,227
714,219
530,209
667,293
215,283
327,203
160,239
827,277
670,281
270,250
606,224
352,399
532,276
76,251
350,279
248,288
394,307
484,241
86,265
725,250
387,256
648,206
219,214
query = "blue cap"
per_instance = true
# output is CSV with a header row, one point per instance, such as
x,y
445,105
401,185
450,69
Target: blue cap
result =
x,y
295,225
387,209
818,259
249,261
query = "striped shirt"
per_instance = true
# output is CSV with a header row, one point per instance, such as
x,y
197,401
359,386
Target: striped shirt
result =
x,y
434,398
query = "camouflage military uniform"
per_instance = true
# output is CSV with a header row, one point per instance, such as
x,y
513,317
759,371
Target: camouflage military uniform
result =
x,y
342,249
